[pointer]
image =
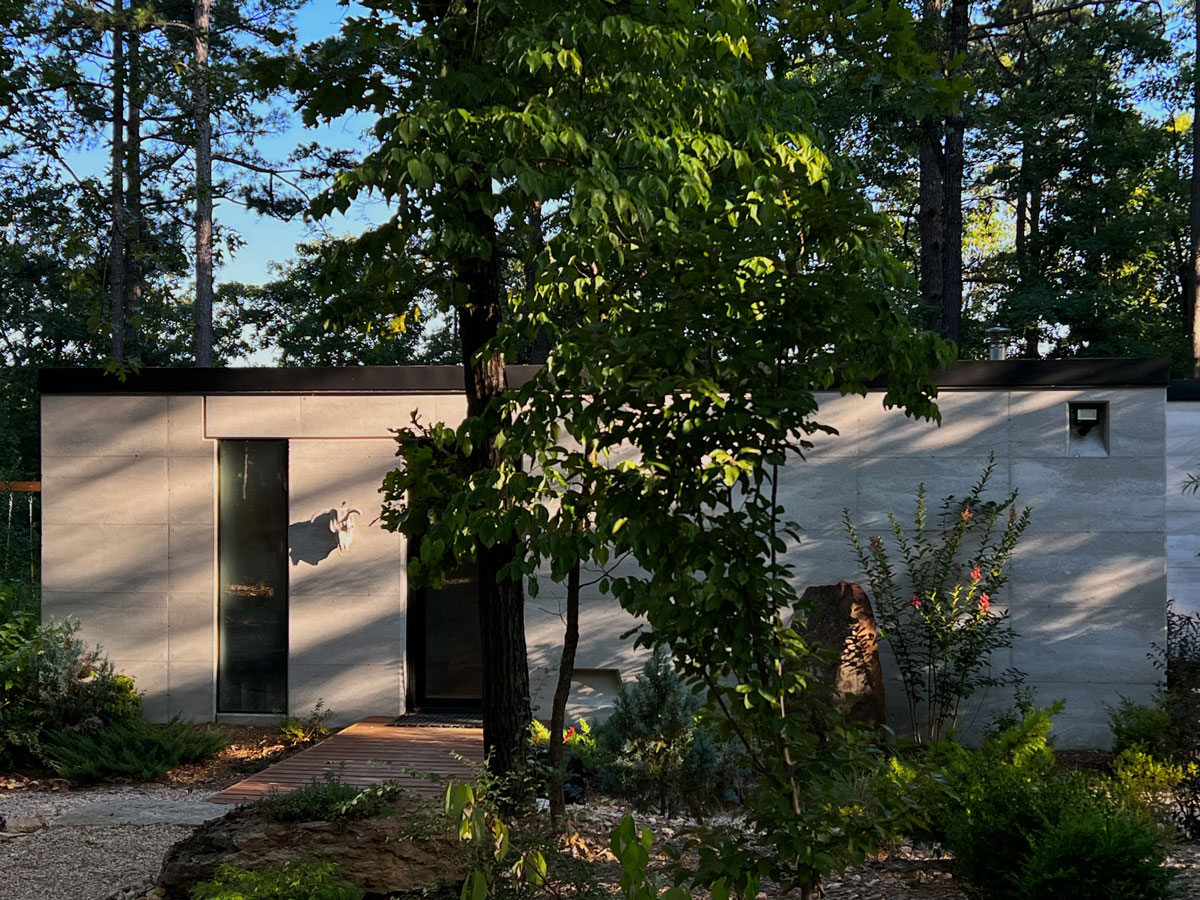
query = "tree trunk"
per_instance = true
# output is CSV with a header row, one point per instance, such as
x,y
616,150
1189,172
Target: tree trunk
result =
x,y
133,180
1194,208
116,251
506,711
204,207
562,693
930,212
540,351
931,199
950,326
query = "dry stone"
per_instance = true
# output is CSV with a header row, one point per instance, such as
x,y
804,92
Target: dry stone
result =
x,y
840,618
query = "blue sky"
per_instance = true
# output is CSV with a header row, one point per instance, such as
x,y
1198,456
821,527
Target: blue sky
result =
x,y
269,240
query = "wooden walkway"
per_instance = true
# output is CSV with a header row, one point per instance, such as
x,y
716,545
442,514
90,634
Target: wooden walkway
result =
x,y
369,752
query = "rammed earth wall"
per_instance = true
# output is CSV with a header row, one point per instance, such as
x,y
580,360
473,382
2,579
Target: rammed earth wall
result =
x,y
130,537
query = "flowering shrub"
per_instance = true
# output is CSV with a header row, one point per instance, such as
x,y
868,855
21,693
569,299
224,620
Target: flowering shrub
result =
x,y
937,613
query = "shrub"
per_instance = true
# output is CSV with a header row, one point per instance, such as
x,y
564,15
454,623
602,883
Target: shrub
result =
x,y
1097,854
660,755
1179,659
1023,831
293,881
136,749
50,683
1139,725
331,800
579,740
936,614
17,598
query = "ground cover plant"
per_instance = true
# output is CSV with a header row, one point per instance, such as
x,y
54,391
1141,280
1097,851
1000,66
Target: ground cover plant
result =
x,y
132,748
292,881
331,800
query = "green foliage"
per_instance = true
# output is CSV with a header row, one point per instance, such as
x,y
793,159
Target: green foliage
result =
x,y
17,599
302,880
315,725
1021,830
353,326
502,866
1094,853
1067,141
331,800
631,847
20,537
133,749
705,264
1139,725
1180,699
936,611
578,739
1029,838
1139,779
658,754
52,685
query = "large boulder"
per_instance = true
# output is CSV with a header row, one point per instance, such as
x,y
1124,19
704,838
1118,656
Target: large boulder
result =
x,y
413,852
839,617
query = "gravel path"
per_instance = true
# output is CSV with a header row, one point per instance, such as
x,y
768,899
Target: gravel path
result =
x,y
93,863
81,862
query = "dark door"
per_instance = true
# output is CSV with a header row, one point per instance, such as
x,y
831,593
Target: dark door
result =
x,y
444,667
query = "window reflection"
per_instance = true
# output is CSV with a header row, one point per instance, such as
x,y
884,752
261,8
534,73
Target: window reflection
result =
x,y
252,570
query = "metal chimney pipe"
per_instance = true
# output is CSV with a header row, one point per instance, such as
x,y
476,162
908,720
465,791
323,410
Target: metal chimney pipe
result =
x,y
998,342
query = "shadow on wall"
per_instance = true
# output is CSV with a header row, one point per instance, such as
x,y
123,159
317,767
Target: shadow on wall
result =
x,y
326,531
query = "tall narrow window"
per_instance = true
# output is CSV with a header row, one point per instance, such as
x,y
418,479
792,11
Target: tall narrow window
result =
x,y
252,570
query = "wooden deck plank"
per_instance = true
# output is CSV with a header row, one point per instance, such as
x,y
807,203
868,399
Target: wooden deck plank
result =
x,y
368,752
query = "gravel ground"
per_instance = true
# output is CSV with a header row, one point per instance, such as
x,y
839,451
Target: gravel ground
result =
x,y
83,863
94,863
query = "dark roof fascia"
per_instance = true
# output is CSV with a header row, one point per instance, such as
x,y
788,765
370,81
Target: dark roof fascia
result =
x,y
295,380
1184,390
1050,374
965,375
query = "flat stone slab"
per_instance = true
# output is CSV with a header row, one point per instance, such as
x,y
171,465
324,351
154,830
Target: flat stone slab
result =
x,y
142,811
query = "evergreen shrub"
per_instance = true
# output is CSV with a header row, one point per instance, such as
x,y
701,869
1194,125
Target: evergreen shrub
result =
x,y
133,749
659,755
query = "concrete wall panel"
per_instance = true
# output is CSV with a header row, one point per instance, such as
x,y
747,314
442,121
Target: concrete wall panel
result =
x,y
346,609
104,425
973,424
191,489
349,692
124,490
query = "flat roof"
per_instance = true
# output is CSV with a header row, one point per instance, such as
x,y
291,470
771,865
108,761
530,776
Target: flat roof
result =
x,y
964,375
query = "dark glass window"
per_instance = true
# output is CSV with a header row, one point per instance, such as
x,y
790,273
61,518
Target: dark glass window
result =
x,y
252,571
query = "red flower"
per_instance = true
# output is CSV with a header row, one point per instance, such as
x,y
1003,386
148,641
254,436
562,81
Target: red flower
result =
x,y
985,602
568,734
915,601
975,573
